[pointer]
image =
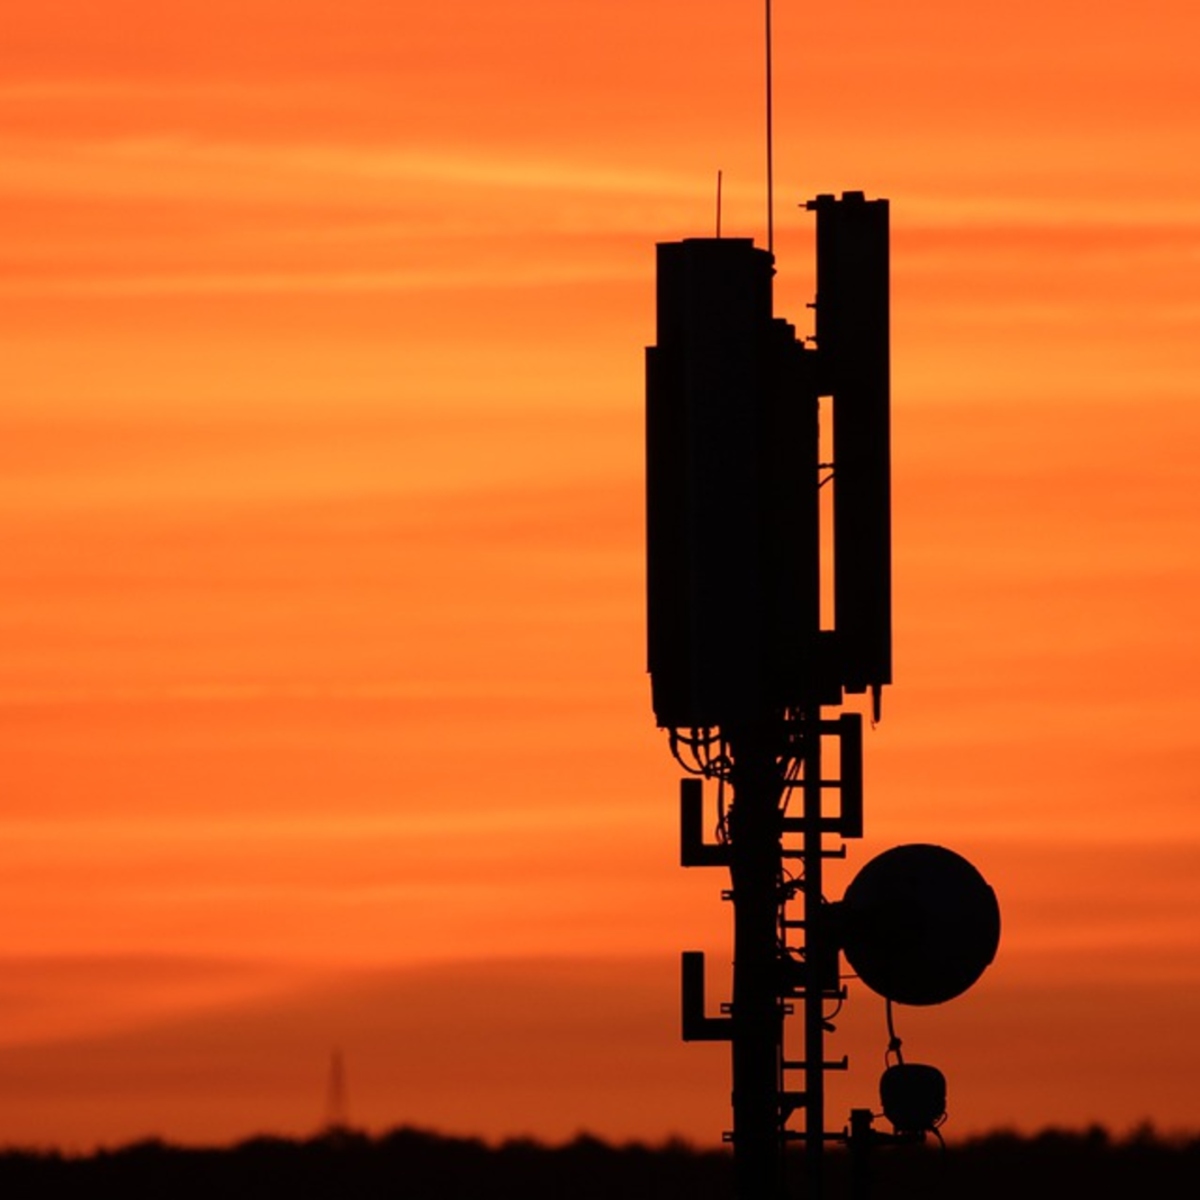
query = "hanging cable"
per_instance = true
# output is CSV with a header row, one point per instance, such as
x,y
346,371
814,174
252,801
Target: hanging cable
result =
x,y
893,1040
722,812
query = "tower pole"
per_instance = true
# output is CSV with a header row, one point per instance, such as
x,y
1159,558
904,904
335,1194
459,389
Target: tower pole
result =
x,y
755,832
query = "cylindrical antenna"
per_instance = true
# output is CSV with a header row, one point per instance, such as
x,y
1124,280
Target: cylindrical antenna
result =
x,y
718,202
770,146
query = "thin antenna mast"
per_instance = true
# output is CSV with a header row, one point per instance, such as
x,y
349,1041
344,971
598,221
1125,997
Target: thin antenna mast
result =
x,y
770,145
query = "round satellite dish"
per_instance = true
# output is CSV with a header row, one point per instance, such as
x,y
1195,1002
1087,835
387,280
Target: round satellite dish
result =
x,y
919,924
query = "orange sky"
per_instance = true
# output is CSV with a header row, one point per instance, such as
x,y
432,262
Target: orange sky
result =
x,y
325,720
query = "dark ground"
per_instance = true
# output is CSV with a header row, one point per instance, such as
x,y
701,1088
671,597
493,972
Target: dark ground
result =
x,y
409,1164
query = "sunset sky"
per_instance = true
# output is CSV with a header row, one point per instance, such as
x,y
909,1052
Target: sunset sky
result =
x,y
324,723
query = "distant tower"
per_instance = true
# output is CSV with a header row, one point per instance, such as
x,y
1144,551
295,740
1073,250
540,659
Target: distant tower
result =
x,y
337,1119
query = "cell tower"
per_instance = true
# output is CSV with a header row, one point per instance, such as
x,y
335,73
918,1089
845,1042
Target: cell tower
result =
x,y
751,686
337,1107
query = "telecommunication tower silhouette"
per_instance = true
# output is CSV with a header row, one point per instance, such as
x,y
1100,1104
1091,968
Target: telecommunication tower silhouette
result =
x,y
337,1107
751,683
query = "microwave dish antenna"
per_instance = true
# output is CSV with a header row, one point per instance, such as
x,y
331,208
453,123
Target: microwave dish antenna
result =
x,y
919,924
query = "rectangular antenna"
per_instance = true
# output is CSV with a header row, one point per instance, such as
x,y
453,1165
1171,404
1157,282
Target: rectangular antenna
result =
x,y
731,491
853,344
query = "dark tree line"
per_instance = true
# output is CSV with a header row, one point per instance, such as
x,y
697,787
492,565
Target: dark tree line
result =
x,y
409,1164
